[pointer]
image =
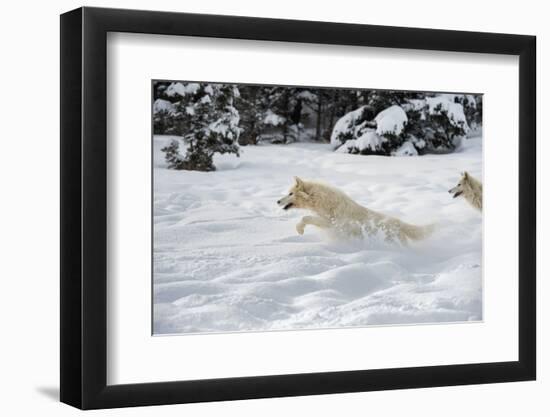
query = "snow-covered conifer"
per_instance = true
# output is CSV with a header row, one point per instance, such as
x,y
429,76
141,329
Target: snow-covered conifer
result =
x,y
206,118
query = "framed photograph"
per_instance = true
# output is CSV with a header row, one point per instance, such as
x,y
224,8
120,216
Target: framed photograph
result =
x,y
257,208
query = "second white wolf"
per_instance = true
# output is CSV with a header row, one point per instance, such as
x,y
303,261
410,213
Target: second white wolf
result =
x,y
469,188
334,209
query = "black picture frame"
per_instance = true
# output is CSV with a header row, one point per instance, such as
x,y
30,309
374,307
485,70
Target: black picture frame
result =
x,y
84,207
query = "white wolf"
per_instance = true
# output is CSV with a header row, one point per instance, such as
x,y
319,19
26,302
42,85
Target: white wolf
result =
x,y
335,210
469,188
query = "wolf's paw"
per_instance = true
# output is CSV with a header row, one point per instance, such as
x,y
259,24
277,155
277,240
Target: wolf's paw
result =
x,y
300,228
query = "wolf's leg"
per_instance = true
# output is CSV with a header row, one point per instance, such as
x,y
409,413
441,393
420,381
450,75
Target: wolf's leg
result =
x,y
313,220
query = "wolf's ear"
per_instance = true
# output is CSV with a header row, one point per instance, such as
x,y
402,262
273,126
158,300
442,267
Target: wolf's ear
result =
x,y
465,174
299,182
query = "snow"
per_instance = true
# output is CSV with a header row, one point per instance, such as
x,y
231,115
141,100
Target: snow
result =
x,y
407,149
348,147
358,137
471,100
391,120
273,119
468,99
182,89
344,125
205,99
163,105
228,125
444,104
418,143
307,96
226,258
414,104
369,140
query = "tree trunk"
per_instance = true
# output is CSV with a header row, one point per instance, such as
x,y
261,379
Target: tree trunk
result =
x,y
287,115
332,114
319,117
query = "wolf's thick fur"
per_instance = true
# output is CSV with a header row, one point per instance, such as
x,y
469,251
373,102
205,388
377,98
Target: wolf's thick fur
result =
x,y
469,188
334,209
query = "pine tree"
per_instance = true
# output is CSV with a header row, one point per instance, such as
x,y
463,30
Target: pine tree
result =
x,y
252,105
172,155
206,118
285,111
163,114
439,132
216,118
442,122
415,122
318,106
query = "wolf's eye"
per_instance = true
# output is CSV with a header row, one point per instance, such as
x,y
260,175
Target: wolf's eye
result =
x,y
291,193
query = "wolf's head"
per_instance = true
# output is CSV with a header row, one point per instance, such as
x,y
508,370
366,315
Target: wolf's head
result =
x,y
462,186
297,196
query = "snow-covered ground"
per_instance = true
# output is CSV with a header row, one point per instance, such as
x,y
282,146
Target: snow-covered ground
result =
x,y
226,258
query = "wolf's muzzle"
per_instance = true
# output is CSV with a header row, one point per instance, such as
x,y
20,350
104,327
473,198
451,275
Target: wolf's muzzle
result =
x,y
456,194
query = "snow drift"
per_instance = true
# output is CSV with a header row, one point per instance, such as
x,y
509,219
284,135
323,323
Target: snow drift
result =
x,y
227,259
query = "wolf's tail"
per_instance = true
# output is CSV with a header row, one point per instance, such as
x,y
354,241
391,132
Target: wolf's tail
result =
x,y
414,232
